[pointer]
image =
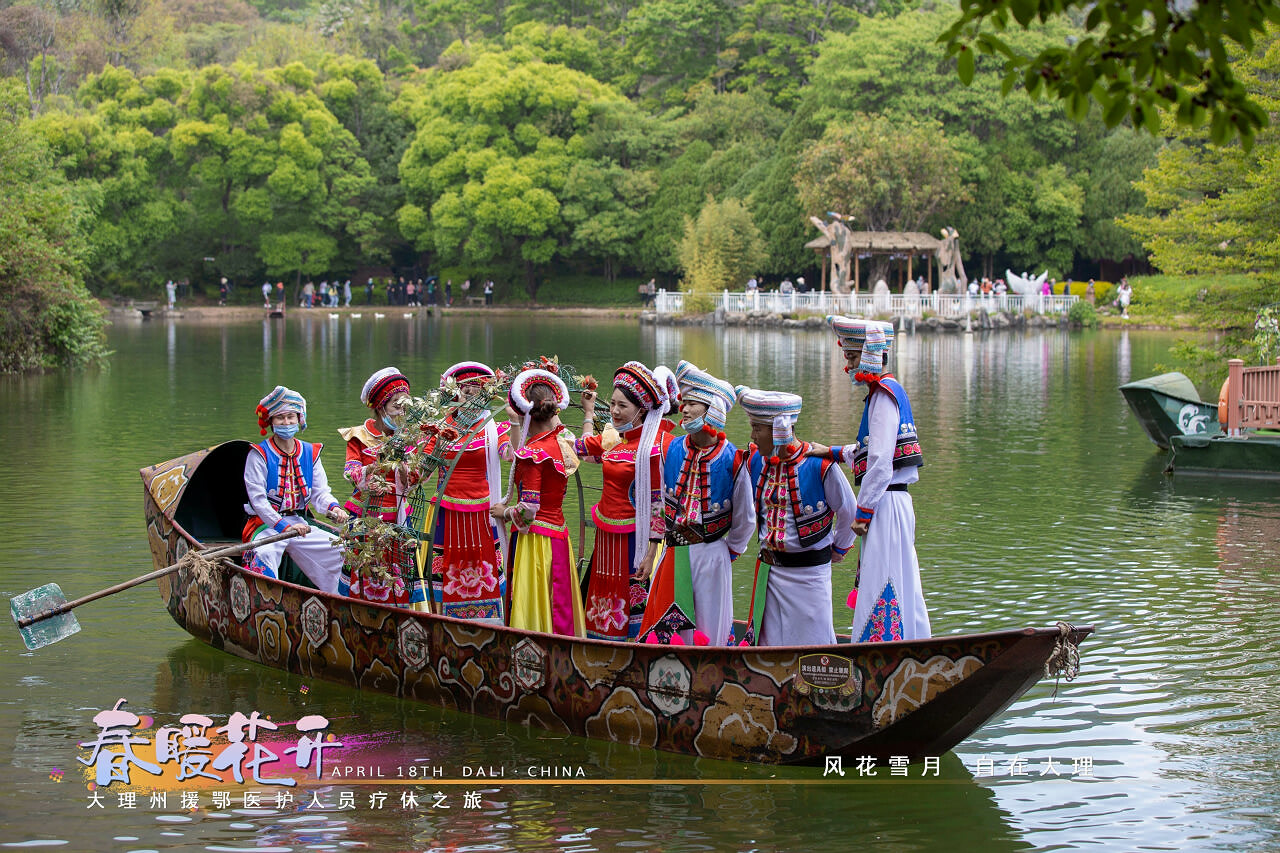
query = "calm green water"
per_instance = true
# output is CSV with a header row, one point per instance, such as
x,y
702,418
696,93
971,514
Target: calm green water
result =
x,y
1041,500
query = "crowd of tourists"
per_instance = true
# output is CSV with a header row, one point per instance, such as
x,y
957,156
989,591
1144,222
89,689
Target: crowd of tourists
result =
x,y
679,504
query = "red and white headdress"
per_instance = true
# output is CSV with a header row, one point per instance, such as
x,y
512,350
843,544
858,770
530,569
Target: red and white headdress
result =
x,y
518,396
467,371
383,387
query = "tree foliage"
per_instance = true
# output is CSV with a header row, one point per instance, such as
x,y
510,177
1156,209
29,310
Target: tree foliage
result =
x,y
1212,208
47,318
721,249
1135,59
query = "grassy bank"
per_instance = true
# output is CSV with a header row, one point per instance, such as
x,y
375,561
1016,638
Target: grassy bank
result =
x,y
1227,303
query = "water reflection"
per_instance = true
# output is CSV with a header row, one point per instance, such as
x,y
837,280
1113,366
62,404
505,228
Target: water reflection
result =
x,y
1040,500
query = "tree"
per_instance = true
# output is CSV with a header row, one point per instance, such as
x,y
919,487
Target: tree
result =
x,y
46,316
1137,58
488,172
720,249
1211,208
887,176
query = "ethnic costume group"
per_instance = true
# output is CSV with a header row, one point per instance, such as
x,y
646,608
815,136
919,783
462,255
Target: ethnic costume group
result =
x,y
675,510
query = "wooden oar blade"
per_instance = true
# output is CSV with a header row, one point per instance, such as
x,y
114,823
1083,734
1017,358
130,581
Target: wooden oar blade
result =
x,y
46,632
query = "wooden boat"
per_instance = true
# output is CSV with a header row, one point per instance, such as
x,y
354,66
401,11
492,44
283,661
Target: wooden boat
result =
x,y
1250,444
1168,405
760,704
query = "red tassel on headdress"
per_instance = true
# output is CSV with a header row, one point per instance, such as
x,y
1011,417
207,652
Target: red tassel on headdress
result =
x,y
264,418
709,430
774,460
700,639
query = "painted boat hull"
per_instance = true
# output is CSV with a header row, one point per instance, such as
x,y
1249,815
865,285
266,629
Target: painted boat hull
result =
x,y
767,704
1250,455
1168,405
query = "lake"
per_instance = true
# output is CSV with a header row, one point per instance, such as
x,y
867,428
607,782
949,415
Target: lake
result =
x,y
1040,500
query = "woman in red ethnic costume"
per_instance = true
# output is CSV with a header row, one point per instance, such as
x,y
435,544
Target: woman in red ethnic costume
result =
x,y
544,585
467,562
381,493
629,517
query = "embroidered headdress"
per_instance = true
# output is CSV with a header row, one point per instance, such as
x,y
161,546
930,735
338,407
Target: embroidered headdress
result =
x,y
875,352
639,381
667,380
383,387
467,371
696,384
850,331
281,399
702,387
776,408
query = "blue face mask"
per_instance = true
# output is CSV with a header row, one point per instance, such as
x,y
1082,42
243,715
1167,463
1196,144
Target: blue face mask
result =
x,y
389,424
695,424
285,430
627,427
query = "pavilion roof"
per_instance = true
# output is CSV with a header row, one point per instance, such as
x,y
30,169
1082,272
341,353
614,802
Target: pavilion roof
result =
x,y
885,242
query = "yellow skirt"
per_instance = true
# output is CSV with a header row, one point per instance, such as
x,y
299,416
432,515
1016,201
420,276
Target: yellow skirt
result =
x,y
544,586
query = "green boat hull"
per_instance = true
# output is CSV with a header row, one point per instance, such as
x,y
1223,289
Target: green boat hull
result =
x,y
1253,455
1167,406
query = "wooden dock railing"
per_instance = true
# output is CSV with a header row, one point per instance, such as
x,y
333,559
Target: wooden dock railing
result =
x,y
1253,396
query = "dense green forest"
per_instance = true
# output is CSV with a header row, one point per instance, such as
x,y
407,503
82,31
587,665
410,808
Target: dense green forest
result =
x,y
523,140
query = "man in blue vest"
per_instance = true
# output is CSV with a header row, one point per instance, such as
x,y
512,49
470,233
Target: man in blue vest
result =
x,y
710,516
889,602
805,512
282,476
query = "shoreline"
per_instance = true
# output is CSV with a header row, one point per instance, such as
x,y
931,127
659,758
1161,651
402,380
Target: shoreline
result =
x,y
996,321
220,313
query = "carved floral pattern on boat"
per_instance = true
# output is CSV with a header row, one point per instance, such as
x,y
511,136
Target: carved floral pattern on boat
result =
x,y
914,683
623,718
741,724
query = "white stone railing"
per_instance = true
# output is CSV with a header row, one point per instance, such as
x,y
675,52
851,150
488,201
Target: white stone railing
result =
x,y
870,305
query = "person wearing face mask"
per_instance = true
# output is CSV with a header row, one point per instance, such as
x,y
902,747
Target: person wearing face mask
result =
x,y
888,600
282,477
710,516
804,511
469,550
380,492
630,524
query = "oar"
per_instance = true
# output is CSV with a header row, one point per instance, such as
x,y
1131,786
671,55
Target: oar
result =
x,y
48,604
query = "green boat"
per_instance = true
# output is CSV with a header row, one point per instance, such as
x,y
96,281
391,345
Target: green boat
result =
x,y
1167,406
1254,454
1250,444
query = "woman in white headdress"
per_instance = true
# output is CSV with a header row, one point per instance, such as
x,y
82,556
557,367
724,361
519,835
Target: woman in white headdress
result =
x,y
543,581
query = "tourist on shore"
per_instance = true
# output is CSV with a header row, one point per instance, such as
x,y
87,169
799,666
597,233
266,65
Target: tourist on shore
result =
x,y
346,294
629,517
1124,293
710,517
368,291
282,476
171,292
488,293
888,603
805,511
266,294
467,557
543,582
379,491
308,293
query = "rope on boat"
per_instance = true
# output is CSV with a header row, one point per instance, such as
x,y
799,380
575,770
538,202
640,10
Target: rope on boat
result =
x,y
203,570
1064,660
